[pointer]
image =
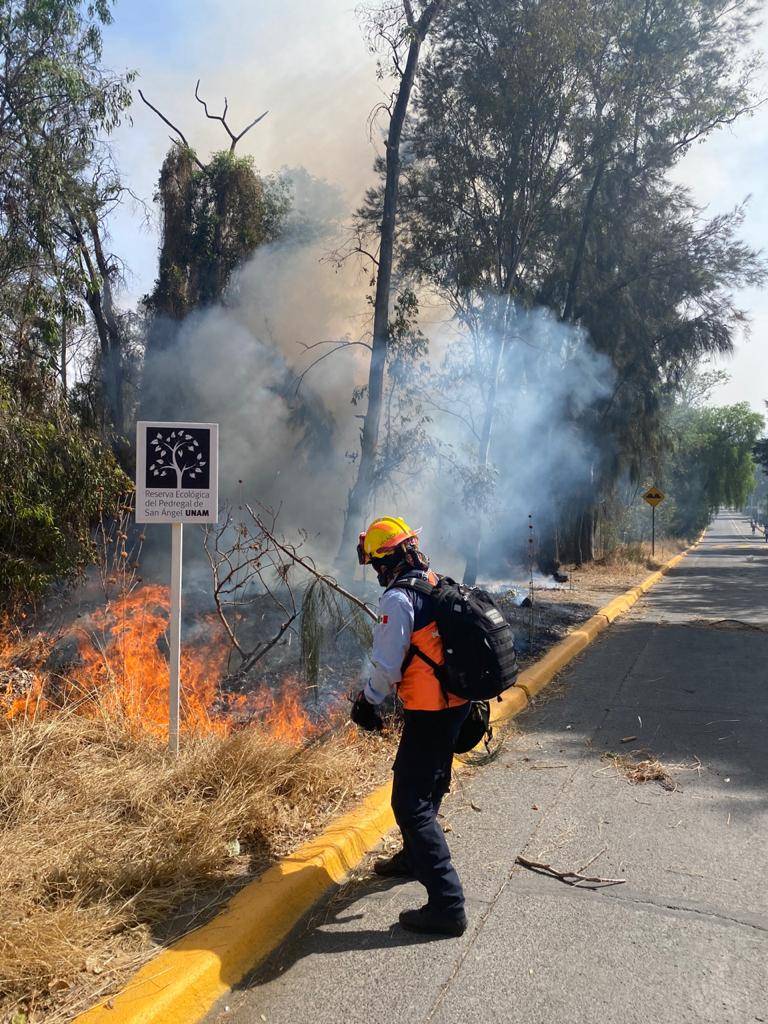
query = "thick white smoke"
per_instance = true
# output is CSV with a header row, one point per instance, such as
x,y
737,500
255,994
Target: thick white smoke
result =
x,y
288,446
238,363
544,444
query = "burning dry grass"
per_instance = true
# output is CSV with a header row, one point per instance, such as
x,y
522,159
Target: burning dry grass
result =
x,y
103,837
108,846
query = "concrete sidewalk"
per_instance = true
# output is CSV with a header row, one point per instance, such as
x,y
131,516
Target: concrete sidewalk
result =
x,y
684,940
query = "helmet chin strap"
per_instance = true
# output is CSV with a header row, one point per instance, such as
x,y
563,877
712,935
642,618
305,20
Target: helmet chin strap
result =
x,y
407,556
387,569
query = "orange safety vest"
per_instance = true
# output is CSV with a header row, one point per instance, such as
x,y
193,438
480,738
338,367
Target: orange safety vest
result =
x,y
419,688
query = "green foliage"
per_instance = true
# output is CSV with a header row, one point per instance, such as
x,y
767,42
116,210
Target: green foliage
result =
x,y
711,465
57,182
760,454
213,220
57,480
324,615
537,173
56,102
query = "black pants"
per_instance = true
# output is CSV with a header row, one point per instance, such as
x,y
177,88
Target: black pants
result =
x,y
422,777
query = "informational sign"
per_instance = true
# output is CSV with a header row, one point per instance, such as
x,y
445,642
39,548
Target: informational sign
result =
x,y
654,496
177,482
177,472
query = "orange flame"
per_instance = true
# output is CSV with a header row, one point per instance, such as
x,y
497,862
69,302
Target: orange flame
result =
x,y
123,664
124,675
285,715
21,690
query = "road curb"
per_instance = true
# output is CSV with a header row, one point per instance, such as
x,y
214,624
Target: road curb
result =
x,y
181,984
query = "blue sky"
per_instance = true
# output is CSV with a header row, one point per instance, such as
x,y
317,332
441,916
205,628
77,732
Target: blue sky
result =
x,y
306,62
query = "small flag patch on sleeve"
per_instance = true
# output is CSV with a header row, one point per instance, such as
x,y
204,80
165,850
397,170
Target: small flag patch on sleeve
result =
x,y
383,619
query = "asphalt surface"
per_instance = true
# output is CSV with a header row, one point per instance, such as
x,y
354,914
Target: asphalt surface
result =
x,y
682,678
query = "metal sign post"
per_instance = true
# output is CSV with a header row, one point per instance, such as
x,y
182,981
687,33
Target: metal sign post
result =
x,y
174,696
653,531
654,497
177,481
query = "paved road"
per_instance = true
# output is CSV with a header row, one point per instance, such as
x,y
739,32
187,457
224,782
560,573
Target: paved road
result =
x,y
684,940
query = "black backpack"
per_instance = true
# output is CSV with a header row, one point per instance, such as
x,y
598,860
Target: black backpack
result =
x,y
480,659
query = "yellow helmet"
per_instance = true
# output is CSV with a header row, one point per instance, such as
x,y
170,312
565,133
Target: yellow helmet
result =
x,y
382,537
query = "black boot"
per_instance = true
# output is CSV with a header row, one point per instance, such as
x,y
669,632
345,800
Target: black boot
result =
x,y
397,866
434,922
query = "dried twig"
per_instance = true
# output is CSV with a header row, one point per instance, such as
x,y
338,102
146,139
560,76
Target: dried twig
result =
x,y
574,878
234,139
235,568
119,550
649,769
248,563
308,564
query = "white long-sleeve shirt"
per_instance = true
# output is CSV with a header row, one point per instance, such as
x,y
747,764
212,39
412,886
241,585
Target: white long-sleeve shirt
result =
x,y
391,640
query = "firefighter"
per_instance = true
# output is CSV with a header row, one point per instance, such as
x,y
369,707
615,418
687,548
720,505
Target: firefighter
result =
x,y
432,722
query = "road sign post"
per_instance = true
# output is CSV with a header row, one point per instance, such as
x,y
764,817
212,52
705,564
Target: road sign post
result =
x,y
174,693
177,481
654,497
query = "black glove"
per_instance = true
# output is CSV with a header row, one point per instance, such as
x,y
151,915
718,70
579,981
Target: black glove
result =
x,y
365,714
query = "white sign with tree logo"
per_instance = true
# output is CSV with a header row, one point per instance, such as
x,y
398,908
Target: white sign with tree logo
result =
x,y
177,472
177,482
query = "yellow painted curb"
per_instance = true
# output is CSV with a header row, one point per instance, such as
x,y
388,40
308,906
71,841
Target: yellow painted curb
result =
x,y
512,703
535,678
181,984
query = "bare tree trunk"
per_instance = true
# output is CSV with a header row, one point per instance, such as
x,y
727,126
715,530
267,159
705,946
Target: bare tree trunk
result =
x,y
114,374
98,295
578,536
501,332
362,490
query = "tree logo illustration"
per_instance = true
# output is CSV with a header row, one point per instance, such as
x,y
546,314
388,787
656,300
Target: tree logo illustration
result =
x,y
178,458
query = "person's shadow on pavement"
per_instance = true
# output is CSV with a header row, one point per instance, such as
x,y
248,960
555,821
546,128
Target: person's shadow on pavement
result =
x,y
315,933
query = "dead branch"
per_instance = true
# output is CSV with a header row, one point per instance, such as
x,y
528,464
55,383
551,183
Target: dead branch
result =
x,y
338,345
573,878
223,118
232,575
309,566
173,127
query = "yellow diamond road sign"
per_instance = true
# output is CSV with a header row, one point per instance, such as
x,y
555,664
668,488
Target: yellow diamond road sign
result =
x,y
654,496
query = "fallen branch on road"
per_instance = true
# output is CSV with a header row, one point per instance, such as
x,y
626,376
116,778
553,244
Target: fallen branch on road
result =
x,y
574,878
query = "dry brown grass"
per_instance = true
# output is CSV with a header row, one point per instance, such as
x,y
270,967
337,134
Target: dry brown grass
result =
x,y
103,838
637,555
636,768
617,571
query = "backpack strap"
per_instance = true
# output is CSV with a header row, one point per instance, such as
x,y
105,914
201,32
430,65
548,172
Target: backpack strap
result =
x,y
423,587
413,652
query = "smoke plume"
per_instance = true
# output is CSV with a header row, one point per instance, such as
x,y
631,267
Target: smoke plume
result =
x,y
289,442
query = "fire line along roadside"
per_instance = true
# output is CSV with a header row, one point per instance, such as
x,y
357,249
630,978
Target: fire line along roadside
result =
x,y
177,481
